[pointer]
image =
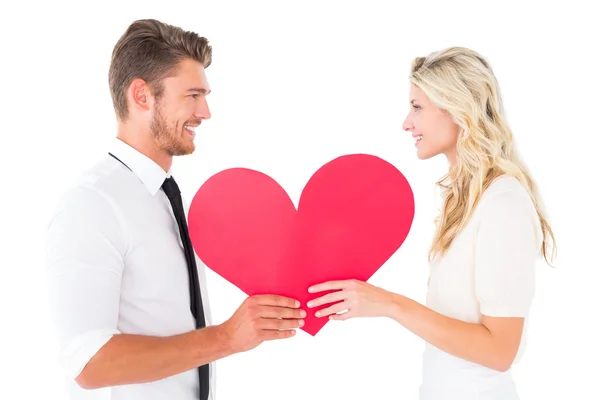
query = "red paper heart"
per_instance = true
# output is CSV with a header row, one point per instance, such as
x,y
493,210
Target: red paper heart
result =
x,y
353,214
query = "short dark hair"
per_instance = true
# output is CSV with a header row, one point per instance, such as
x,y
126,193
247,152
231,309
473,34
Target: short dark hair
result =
x,y
151,50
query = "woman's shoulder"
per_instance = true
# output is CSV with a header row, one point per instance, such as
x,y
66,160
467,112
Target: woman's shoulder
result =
x,y
506,194
505,186
504,183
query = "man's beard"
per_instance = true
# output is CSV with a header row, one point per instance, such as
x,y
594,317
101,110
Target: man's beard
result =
x,y
168,140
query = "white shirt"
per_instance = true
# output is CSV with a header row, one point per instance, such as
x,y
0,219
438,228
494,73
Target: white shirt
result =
x,y
489,269
116,266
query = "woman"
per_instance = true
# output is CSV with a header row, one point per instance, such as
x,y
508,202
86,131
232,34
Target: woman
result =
x,y
490,231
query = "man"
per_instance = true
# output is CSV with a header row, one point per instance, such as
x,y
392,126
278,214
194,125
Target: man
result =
x,y
129,300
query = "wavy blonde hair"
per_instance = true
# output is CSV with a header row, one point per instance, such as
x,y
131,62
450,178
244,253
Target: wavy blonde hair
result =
x,y
461,82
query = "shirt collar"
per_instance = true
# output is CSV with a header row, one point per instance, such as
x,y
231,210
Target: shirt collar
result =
x,y
149,172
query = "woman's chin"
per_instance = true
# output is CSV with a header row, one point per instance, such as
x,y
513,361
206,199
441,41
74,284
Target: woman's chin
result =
x,y
424,155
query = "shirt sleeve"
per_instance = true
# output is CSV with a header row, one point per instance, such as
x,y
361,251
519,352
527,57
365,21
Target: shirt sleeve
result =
x,y
85,248
506,249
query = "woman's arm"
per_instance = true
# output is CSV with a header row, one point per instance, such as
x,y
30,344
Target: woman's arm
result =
x,y
505,250
492,343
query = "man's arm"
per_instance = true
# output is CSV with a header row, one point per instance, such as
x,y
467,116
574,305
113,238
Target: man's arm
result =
x,y
128,359
85,247
86,243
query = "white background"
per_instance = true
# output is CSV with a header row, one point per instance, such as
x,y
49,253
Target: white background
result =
x,y
295,86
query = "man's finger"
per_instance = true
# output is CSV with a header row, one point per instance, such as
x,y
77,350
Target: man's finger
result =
x,y
276,335
281,312
276,300
274,324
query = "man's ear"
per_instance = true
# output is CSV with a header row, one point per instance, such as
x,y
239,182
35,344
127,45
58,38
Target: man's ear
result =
x,y
140,95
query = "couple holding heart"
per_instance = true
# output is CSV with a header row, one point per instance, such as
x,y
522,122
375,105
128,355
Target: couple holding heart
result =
x,y
129,295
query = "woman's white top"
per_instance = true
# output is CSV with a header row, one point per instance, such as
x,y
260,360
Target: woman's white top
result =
x,y
490,270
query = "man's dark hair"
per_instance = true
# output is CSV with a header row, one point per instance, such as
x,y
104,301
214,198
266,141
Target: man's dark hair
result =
x,y
151,50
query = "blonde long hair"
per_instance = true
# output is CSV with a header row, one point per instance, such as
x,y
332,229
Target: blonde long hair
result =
x,y
461,82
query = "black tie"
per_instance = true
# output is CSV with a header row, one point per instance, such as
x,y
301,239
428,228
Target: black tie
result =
x,y
172,191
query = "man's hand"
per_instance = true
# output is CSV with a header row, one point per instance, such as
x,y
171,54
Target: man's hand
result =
x,y
260,318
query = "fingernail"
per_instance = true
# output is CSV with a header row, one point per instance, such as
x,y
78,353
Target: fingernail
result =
x,y
310,289
302,313
297,303
310,304
301,322
318,313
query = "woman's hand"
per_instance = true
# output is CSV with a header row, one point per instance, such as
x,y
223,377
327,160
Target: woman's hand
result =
x,y
356,298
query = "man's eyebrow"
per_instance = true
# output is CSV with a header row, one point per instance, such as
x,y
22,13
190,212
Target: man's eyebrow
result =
x,y
199,90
